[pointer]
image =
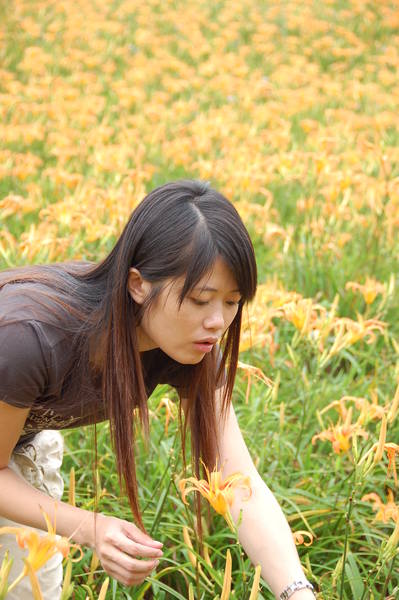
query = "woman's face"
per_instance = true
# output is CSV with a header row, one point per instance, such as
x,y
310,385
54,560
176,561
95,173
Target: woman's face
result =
x,y
187,332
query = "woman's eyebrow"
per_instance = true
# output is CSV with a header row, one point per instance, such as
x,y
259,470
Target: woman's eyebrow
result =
x,y
207,288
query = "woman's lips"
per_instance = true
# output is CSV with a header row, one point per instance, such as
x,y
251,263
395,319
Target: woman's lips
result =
x,y
204,346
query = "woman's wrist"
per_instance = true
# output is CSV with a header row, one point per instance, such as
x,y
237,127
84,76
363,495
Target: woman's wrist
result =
x,y
83,522
299,589
303,595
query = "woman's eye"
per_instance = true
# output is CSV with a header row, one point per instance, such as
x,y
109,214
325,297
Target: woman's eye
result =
x,y
230,303
199,302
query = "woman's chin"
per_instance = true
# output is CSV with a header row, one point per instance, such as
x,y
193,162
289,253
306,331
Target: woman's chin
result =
x,y
186,359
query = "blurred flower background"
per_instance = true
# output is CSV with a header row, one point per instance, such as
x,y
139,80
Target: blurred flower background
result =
x,y
290,108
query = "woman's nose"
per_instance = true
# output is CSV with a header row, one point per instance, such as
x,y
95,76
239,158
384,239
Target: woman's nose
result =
x,y
215,321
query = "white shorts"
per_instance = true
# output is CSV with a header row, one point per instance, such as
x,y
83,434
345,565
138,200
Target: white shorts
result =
x,y
39,463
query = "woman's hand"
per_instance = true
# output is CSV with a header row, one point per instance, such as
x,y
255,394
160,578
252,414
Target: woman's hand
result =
x,y
125,552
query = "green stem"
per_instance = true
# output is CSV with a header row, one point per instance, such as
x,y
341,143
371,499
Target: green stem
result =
x,y
384,589
163,474
371,579
347,521
300,434
240,559
377,570
160,509
16,581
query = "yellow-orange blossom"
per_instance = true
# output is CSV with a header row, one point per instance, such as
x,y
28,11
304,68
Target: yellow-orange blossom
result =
x,y
218,492
40,549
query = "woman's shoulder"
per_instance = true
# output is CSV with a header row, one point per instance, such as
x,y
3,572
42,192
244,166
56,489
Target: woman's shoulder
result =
x,y
30,325
38,293
35,339
51,275
21,302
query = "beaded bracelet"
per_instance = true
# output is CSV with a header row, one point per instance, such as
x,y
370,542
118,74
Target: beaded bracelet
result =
x,y
299,584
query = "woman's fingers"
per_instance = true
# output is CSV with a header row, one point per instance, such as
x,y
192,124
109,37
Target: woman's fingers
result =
x,y
137,535
134,566
132,573
136,543
120,546
133,548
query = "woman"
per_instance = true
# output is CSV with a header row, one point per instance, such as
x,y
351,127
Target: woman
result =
x,y
80,343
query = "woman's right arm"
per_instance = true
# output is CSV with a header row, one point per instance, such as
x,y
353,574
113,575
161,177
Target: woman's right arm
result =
x,y
119,544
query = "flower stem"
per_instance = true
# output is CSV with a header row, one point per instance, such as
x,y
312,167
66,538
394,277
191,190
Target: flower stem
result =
x,y
347,521
17,580
240,558
388,577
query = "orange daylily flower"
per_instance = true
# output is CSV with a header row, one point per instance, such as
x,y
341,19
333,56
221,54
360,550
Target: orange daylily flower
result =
x,y
391,449
362,329
218,492
257,373
14,204
303,313
170,411
40,547
257,327
369,289
379,448
382,446
348,332
340,436
386,511
299,538
368,411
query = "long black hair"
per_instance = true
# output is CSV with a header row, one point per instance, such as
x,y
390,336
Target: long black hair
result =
x,y
178,230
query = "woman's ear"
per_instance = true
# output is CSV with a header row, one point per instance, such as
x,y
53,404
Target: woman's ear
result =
x,y
138,287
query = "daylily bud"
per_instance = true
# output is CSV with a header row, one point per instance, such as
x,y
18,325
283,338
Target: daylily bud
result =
x,y
227,578
255,585
381,442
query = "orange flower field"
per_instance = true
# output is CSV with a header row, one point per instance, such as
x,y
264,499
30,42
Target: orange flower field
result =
x,y
290,108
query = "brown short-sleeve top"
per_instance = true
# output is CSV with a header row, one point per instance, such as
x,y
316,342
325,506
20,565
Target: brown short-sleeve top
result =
x,y
36,364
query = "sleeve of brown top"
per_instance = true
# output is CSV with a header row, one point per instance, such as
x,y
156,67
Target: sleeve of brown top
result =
x,y
23,365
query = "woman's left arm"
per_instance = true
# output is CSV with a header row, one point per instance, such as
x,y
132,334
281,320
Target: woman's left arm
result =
x,y
263,531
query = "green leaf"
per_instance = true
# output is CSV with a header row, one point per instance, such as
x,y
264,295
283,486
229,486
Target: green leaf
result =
x,y
354,577
173,593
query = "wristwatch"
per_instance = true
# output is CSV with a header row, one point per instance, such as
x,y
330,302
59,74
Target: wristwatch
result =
x,y
299,584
